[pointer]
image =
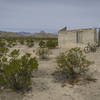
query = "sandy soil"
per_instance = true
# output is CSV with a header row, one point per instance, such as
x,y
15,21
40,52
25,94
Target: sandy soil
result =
x,y
46,87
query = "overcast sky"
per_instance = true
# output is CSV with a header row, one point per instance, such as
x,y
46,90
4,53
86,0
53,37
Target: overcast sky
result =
x,y
48,15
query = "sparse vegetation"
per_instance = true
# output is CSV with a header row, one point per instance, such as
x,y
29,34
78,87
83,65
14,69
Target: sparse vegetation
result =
x,y
51,44
73,63
17,67
14,53
30,42
42,44
43,53
11,42
17,73
3,48
21,41
2,43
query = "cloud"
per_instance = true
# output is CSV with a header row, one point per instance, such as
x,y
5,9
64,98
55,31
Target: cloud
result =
x,y
49,14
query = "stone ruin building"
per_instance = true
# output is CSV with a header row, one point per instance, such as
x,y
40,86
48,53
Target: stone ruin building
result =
x,y
78,37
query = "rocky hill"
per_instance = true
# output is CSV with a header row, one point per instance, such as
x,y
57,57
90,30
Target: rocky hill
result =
x,y
44,35
9,34
35,35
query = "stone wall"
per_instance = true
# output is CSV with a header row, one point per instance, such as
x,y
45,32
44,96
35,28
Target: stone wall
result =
x,y
68,38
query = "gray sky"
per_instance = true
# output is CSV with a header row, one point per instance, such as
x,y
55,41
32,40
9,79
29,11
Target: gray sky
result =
x,y
49,15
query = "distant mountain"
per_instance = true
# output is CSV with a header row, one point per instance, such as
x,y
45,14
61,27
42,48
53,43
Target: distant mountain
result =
x,y
41,34
25,33
44,35
42,31
10,34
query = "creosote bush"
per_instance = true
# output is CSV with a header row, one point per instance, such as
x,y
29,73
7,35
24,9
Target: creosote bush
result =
x,y
3,48
42,44
11,42
73,63
30,42
2,43
51,44
43,53
17,73
21,41
14,53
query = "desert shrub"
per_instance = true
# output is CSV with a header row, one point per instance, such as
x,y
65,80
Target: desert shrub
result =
x,y
51,44
28,54
33,51
14,53
73,63
43,53
14,44
21,41
9,45
17,73
3,51
42,44
11,42
2,43
3,48
30,42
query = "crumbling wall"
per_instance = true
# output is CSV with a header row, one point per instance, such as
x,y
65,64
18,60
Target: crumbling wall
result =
x,y
68,38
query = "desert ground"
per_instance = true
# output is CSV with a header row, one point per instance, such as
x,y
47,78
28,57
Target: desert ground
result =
x,y
46,87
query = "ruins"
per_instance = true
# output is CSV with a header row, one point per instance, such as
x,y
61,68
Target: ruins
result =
x,y
78,37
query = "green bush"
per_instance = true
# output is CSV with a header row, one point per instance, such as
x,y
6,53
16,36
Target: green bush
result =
x,y
3,51
2,43
14,44
17,73
42,44
43,53
14,53
73,63
30,42
3,48
11,42
51,44
21,41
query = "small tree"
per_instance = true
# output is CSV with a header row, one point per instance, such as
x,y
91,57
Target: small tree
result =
x,y
73,63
